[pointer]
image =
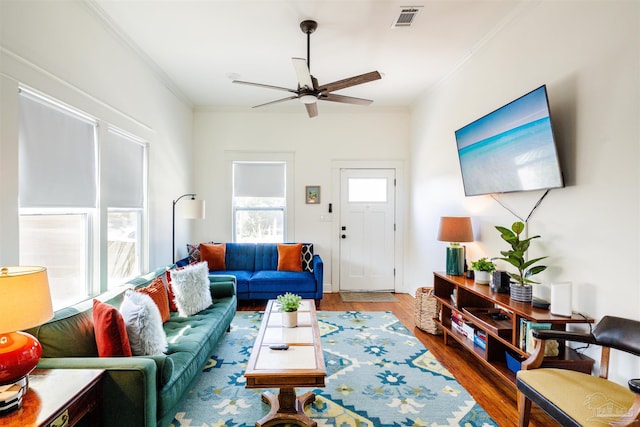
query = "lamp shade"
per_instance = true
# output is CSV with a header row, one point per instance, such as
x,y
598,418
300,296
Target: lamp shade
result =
x,y
25,300
193,209
455,229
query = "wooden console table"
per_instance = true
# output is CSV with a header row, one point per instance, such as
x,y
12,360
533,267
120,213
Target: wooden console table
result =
x,y
462,297
59,397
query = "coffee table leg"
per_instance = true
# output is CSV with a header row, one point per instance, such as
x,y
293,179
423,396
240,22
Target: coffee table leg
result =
x,y
286,408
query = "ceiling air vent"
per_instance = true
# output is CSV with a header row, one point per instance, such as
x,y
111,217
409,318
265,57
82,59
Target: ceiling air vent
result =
x,y
406,17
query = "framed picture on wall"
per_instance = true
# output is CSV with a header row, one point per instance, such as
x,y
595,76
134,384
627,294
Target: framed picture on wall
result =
x,y
312,194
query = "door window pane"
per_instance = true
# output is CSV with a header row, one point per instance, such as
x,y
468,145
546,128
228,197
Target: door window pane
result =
x,y
60,243
367,190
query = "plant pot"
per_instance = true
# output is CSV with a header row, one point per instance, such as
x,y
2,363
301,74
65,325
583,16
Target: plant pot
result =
x,y
482,277
289,319
521,293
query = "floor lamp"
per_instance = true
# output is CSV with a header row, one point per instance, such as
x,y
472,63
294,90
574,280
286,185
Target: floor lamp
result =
x,y
455,229
191,209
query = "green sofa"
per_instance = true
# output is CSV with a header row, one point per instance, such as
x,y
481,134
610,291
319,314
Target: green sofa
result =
x,y
141,390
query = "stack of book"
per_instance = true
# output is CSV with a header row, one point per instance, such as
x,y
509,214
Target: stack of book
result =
x,y
459,325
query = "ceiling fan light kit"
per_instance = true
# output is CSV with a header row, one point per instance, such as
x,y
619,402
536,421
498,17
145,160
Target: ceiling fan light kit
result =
x,y
308,90
308,99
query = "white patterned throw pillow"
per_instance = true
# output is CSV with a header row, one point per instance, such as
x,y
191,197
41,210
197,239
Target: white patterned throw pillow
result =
x,y
191,288
144,324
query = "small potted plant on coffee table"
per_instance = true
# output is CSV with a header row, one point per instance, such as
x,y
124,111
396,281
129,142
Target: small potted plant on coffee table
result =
x,y
289,304
482,270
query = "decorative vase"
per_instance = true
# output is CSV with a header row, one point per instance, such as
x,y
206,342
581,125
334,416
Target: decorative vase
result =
x,y
289,319
521,293
482,277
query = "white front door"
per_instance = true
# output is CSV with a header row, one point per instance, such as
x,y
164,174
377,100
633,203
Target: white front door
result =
x,y
367,229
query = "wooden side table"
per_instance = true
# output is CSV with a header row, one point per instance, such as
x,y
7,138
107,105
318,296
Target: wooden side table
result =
x,y
59,397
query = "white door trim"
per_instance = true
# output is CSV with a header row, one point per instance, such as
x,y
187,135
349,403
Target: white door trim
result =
x,y
398,165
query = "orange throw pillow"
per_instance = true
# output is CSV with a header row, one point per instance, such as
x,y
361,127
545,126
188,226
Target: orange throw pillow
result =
x,y
158,294
214,255
290,257
111,333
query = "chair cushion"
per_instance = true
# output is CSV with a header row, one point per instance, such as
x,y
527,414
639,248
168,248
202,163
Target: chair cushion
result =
x,y
588,400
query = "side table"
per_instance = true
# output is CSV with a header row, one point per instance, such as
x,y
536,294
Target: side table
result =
x,y
59,397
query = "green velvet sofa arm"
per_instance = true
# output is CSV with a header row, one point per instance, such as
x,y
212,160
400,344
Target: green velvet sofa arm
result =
x,y
128,387
222,286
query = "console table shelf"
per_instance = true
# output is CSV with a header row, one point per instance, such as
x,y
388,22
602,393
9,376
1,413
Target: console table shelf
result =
x,y
498,318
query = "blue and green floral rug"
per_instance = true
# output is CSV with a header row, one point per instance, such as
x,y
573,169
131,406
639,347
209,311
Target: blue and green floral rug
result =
x,y
378,374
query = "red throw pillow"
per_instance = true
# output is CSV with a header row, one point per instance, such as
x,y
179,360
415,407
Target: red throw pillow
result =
x,y
214,255
290,257
110,331
170,294
159,295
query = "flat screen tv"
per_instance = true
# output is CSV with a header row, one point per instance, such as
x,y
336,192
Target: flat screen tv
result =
x,y
510,149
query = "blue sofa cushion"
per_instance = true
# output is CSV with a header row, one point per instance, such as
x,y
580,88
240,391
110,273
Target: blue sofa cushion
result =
x,y
267,256
240,256
281,281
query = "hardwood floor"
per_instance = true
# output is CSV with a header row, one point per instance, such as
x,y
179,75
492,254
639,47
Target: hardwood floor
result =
x,y
492,393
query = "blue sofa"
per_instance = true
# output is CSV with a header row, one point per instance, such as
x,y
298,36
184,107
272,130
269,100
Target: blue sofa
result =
x,y
255,267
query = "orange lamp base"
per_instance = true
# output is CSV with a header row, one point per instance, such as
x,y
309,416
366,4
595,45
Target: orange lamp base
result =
x,y
19,355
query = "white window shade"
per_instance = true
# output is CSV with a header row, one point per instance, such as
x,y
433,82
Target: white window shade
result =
x,y
57,156
124,171
259,180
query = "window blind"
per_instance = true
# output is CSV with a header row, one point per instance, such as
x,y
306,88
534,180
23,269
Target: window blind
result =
x,y
124,171
56,157
258,179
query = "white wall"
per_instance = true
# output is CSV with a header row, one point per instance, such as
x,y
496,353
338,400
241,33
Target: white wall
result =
x,y
62,49
349,134
588,54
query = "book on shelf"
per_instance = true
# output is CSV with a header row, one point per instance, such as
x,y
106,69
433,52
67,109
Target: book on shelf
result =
x,y
480,339
527,342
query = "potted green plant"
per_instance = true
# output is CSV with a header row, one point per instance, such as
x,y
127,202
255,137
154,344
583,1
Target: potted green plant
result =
x,y
522,291
482,270
289,304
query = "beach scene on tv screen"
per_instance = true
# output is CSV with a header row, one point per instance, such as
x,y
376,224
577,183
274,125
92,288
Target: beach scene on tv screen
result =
x,y
511,149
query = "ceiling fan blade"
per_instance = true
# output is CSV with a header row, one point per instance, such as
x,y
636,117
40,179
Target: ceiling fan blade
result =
x,y
351,81
345,99
276,101
302,71
312,109
265,86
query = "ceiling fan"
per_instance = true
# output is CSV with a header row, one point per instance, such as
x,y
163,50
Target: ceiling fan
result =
x,y
309,91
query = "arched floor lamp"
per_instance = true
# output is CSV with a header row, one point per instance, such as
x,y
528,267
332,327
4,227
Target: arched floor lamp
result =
x,y
191,209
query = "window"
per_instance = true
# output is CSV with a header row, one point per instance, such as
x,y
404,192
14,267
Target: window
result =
x,y
259,201
63,211
125,176
59,240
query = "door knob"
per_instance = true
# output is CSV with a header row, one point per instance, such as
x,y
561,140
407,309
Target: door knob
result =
x,y
344,236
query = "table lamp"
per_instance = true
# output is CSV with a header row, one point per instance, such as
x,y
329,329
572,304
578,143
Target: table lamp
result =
x,y
25,302
455,229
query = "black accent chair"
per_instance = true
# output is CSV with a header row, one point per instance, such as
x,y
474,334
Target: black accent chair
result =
x,y
578,399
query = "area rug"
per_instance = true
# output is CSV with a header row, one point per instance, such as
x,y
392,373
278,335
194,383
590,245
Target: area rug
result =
x,y
378,375
367,297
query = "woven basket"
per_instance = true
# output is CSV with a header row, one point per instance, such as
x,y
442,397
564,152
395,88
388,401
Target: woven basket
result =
x,y
427,308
